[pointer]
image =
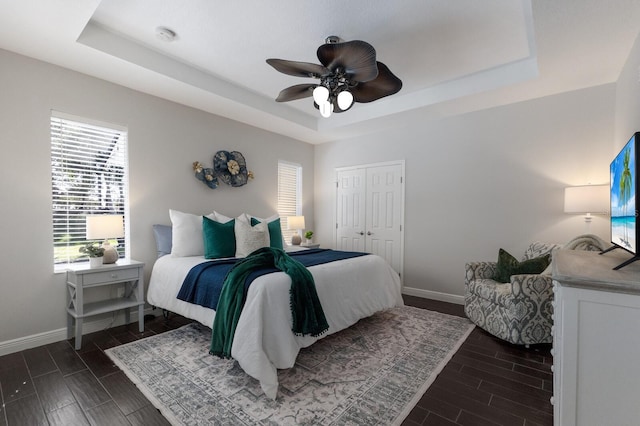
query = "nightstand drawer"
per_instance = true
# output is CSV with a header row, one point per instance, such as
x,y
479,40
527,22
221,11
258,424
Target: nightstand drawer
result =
x,y
112,275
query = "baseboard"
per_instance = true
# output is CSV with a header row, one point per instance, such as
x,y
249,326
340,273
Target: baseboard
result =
x,y
35,340
435,295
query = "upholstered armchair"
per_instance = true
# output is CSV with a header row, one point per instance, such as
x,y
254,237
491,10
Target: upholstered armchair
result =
x,y
519,311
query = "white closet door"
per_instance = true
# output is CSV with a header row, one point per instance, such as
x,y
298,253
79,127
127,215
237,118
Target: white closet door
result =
x,y
369,209
350,215
383,213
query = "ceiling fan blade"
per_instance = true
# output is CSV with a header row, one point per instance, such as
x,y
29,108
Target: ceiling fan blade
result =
x,y
384,85
299,91
358,58
298,69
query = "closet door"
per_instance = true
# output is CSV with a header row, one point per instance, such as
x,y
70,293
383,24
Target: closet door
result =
x,y
369,210
383,213
350,215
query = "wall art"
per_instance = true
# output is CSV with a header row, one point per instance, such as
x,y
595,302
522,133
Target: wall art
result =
x,y
228,167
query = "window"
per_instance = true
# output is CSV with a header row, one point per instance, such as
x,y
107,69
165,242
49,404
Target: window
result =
x,y
289,195
88,176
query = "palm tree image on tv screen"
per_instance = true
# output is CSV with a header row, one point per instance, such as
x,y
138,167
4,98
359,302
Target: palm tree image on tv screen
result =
x,y
623,202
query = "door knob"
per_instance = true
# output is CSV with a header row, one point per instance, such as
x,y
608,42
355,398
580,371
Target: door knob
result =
x,y
360,233
369,233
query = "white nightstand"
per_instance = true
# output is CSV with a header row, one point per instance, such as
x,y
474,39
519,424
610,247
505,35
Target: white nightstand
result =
x,y
81,277
310,245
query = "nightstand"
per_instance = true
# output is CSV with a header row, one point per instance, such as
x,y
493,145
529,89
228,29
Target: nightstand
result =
x,y
310,245
81,277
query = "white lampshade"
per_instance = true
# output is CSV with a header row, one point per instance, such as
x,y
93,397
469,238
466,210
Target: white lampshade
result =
x,y
320,95
586,199
103,226
345,99
295,222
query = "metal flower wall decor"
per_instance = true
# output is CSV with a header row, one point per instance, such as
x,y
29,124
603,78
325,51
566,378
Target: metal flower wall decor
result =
x,y
228,167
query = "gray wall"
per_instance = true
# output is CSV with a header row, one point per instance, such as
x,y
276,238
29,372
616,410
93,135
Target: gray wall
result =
x,y
628,99
164,140
474,183
484,180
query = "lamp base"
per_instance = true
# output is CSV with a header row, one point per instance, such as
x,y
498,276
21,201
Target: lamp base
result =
x,y
296,240
110,253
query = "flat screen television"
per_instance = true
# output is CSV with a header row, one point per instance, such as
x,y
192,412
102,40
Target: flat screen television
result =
x,y
624,196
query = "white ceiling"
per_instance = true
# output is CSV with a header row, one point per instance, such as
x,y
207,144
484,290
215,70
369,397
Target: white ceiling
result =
x,y
452,56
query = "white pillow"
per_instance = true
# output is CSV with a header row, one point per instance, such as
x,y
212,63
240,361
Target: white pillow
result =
x,y
247,218
244,218
187,234
250,238
220,218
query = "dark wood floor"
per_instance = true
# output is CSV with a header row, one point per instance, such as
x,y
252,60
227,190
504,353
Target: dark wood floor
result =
x,y
488,382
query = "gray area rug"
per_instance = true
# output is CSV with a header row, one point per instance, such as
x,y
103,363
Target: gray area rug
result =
x,y
372,373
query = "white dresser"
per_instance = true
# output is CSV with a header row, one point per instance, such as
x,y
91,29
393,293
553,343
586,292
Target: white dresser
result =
x,y
596,339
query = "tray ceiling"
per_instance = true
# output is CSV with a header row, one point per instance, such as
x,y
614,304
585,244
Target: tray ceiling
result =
x,y
452,56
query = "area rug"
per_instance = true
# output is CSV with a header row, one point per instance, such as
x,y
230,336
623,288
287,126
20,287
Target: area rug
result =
x,y
372,373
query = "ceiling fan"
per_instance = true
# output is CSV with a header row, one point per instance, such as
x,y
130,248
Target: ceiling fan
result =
x,y
349,73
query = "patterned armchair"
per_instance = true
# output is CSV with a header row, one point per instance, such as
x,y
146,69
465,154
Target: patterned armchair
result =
x,y
518,311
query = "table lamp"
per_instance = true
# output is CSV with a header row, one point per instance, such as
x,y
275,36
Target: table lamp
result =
x,y
587,200
297,223
103,227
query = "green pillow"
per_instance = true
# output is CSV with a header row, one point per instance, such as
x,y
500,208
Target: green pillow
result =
x,y
219,238
275,232
509,265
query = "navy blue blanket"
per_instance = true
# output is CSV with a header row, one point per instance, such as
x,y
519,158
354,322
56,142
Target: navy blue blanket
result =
x,y
203,283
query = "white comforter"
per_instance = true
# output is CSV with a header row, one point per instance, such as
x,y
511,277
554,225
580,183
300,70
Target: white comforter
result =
x,y
349,290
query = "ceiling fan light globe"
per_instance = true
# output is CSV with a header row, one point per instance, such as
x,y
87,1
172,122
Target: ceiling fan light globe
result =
x,y
345,100
320,95
326,108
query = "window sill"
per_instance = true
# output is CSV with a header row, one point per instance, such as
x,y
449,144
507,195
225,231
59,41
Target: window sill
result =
x,y
61,268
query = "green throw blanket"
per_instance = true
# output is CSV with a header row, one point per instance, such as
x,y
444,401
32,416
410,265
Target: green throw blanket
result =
x,y
306,310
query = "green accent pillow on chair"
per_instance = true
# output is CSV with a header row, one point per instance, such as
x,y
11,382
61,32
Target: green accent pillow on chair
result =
x,y
509,265
219,238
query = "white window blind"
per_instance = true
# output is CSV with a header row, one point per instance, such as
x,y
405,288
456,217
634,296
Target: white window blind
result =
x,y
88,176
289,194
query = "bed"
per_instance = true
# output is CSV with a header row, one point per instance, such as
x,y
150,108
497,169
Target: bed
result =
x,y
349,290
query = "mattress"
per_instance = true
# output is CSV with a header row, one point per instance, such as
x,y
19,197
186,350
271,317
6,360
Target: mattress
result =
x,y
349,290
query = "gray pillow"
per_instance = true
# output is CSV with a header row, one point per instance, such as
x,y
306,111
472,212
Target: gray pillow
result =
x,y
163,236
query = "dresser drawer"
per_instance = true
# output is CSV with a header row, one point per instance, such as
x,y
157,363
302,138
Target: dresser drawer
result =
x,y
113,275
